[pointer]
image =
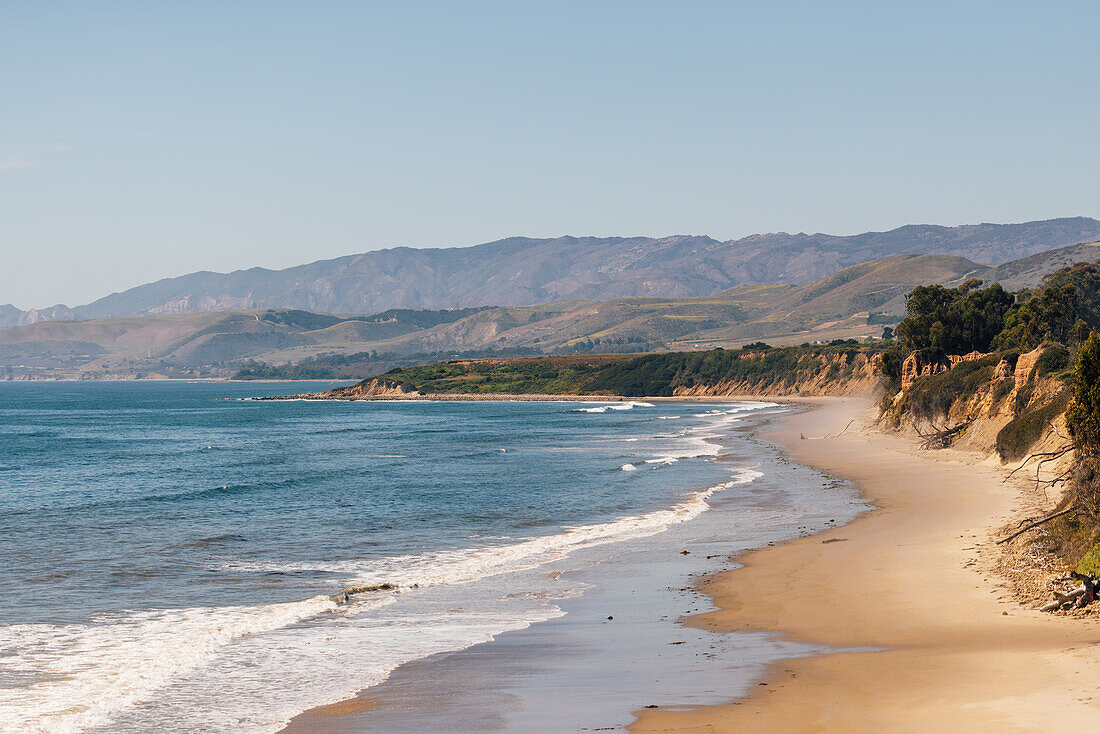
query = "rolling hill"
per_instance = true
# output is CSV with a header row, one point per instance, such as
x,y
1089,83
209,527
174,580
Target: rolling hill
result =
x,y
217,343
855,302
518,270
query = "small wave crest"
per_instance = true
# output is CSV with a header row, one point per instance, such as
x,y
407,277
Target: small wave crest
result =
x,y
466,565
628,405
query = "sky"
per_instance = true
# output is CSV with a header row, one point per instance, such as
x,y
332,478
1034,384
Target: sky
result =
x,y
147,140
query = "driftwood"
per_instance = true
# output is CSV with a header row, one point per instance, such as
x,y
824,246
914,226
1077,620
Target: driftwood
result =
x,y
1089,583
1037,523
842,430
1080,597
803,436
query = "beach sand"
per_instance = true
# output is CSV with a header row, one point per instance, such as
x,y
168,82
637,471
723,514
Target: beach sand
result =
x,y
954,653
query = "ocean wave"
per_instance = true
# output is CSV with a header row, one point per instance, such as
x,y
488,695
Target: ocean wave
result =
x,y
466,565
628,405
85,673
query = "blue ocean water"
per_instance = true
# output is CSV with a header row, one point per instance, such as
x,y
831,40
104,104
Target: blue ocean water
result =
x,y
172,550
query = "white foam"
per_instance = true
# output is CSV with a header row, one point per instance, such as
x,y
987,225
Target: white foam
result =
x,y
466,565
628,467
628,405
86,673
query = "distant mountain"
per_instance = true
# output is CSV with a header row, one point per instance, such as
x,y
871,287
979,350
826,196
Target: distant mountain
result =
x,y
12,316
855,302
1029,271
198,344
523,271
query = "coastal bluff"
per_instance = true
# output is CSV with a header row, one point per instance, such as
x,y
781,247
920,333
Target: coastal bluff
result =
x,y
374,388
751,371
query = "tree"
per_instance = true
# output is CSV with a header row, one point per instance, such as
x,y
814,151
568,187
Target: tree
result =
x,y
1083,416
1064,309
953,320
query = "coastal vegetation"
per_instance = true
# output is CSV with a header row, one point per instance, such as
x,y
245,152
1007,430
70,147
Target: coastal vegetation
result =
x,y
755,367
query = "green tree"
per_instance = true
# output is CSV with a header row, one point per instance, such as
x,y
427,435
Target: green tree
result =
x,y
953,320
1064,309
1083,416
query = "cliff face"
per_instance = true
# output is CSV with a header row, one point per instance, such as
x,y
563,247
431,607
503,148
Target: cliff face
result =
x,y
815,375
372,389
913,368
1010,404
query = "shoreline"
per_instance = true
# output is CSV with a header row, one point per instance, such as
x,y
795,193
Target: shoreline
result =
x,y
495,397
919,633
647,587
911,580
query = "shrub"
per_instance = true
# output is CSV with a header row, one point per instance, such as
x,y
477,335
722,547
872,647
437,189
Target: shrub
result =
x,y
1019,434
1054,359
1090,563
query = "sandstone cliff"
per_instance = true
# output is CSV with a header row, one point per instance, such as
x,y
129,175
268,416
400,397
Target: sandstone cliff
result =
x,y
372,389
815,375
1008,404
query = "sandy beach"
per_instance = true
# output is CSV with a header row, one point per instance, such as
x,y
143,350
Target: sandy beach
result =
x,y
953,652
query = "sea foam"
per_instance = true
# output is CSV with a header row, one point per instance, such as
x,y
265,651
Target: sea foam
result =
x,y
628,405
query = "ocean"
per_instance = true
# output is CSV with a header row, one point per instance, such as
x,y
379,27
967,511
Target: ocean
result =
x,y
175,556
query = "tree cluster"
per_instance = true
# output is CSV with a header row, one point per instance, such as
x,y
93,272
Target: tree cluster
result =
x,y
959,320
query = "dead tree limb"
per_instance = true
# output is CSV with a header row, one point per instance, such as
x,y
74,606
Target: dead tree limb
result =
x,y
1055,429
1037,523
941,437
1088,583
1060,599
1045,456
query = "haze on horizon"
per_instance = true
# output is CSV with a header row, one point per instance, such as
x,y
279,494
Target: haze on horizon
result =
x,y
142,141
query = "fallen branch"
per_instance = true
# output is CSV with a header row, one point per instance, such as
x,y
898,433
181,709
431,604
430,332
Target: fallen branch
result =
x,y
1050,456
846,428
1055,429
941,437
1037,523
1089,584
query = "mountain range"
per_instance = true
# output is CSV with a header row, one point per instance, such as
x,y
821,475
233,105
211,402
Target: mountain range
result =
x,y
524,271
856,302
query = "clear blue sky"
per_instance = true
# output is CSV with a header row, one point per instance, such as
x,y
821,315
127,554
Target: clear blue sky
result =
x,y
149,139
